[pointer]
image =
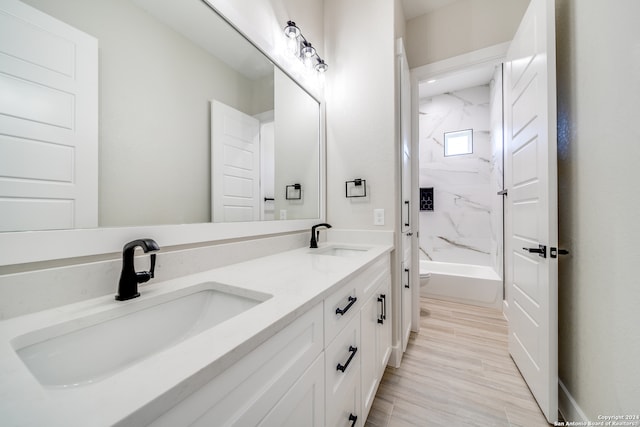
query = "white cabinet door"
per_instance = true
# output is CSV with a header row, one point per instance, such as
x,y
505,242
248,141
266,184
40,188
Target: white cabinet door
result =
x,y
406,302
375,342
342,365
303,405
407,222
384,328
346,411
246,392
369,316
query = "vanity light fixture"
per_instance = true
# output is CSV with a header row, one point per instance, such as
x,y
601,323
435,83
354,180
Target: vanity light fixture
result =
x,y
303,49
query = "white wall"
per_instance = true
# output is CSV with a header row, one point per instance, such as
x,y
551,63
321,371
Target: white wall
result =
x,y
361,139
297,151
462,27
153,158
599,208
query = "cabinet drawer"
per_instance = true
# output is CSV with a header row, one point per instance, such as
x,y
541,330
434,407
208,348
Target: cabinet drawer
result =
x,y
303,405
373,276
344,304
339,309
243,394
346,412
342,362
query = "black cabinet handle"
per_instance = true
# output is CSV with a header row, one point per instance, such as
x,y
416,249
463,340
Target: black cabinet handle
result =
x,y
353,419
384,306
406,285
381,315
353,351
406,202
342,311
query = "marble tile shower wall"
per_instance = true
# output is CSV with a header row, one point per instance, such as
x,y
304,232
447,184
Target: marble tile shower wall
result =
x,y
497,175
460,228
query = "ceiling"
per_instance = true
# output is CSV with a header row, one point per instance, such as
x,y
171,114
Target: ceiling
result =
x,y
480,74
413,8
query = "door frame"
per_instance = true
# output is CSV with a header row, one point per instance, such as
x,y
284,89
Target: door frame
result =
x,y
492,55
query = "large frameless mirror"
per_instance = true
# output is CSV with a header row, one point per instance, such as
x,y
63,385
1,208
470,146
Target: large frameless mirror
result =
x,y
194,124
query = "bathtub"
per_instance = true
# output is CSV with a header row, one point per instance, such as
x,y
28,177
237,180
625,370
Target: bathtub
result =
x,y
469,284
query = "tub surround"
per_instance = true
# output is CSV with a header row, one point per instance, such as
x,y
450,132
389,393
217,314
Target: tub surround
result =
x,y
298,279
469,284
459,229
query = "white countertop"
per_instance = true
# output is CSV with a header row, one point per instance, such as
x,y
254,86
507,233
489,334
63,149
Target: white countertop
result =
x,y
297,279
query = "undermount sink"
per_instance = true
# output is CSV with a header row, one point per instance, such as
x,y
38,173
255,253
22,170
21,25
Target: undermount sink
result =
x,y
90,348
342,251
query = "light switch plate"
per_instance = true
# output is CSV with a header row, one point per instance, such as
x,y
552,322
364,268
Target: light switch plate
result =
x,y
283,214
378,217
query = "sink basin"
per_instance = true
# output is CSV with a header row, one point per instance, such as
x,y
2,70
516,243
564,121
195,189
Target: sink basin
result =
x,y
342,251
90,348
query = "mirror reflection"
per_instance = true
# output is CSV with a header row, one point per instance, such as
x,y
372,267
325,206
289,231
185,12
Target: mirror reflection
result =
x,y
194,124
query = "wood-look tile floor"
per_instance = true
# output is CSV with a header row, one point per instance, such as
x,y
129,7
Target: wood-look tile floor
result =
x,y
456,372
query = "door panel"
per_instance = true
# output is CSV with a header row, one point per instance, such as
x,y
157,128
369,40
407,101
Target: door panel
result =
x,y
235,151
531,176
48,122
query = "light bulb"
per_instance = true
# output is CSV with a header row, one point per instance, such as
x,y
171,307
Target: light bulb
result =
x,y
321,66
307,51
291,31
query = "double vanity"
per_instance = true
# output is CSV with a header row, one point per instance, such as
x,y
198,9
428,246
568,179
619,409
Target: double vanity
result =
x,y
296,338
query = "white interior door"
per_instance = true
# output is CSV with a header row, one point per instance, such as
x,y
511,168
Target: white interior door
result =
x,y
531,177
48,122
235,164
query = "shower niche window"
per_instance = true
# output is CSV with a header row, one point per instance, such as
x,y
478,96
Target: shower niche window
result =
x,y
458,143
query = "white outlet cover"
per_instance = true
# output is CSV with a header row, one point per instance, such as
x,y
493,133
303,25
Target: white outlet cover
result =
x,y
378,217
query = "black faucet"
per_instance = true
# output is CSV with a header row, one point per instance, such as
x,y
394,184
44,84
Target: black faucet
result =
x,y
314,236
129,278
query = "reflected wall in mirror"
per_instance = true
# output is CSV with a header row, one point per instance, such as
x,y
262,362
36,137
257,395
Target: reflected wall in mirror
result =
x,y
162,65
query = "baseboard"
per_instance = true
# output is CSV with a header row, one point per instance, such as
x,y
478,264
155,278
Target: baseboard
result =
x,y
568,407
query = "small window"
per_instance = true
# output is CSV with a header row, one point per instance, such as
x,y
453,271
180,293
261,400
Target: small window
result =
x,y
458,142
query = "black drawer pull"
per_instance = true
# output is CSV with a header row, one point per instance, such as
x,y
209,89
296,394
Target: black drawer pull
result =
x,y
342,311
381,315
384,306
353,419
406,285
353,351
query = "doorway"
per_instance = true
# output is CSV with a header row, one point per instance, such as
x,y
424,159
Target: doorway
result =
x,y
459,127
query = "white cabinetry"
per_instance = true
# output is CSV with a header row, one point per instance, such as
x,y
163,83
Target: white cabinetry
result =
x,y
375,340
342,370
250,389
318,371
350,394
303,405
